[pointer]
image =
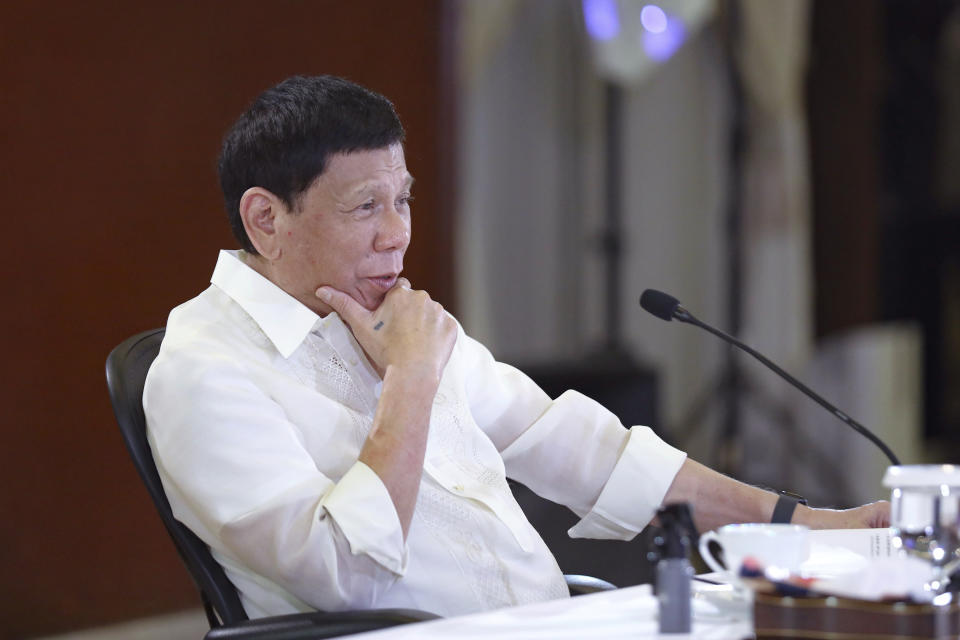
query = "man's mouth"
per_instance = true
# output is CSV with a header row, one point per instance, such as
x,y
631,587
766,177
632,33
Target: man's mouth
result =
x,y
384,282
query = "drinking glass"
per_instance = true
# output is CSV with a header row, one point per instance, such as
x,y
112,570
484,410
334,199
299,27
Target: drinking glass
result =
x,y
925,516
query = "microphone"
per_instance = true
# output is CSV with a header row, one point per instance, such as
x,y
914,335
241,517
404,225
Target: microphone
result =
x,y
668,308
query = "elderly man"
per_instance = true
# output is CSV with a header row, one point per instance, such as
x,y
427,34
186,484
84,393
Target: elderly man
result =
x,y
334,435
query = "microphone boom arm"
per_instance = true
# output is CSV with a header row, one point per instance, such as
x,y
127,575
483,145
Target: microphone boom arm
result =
x,y
682,315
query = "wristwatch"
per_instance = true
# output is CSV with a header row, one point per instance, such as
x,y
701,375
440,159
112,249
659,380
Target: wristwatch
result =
x,y
786,505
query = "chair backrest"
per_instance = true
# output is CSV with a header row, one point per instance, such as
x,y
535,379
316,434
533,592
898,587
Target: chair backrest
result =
x,y
127,367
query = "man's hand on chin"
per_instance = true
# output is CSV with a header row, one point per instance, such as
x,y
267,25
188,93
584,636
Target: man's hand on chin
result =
x,y
408,330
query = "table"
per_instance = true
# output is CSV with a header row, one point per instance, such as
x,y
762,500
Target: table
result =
x,y
719,612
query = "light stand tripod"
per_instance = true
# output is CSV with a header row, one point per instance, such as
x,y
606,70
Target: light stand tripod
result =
x,y
732,385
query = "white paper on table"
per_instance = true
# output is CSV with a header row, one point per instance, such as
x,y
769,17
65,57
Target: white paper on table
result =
x,y
885,578
869,543
838,552
862,563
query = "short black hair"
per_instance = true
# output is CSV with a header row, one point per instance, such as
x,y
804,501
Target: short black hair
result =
x,y
284,139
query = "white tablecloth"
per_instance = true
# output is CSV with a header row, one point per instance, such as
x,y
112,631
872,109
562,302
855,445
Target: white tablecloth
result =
x,y
718,612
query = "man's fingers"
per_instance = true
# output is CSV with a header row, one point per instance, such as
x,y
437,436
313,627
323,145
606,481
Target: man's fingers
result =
x,y
403,282
348,308
882,514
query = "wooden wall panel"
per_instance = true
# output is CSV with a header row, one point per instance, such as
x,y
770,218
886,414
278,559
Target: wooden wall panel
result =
x,y
110,119
844,89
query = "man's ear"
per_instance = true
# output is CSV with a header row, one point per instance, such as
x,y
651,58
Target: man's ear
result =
x,y
259,209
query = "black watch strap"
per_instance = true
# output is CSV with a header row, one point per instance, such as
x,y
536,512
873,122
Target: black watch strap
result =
x,y
786,505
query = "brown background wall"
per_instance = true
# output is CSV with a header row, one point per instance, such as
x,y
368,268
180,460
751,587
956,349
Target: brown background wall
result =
x,y
110,121
844,92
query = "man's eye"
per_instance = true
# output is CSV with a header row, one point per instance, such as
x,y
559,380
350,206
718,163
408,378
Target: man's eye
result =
x,y
368,206
405,200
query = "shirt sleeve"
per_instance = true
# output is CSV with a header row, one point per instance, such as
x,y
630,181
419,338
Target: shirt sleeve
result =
x,y
236,472
571,450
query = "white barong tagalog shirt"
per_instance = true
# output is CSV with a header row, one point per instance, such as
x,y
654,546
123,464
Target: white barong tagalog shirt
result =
x,y
257,409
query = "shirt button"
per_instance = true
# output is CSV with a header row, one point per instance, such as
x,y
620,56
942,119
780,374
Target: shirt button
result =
x,y
458,488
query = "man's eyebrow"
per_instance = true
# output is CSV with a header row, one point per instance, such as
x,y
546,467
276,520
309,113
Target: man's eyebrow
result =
x,y
365,187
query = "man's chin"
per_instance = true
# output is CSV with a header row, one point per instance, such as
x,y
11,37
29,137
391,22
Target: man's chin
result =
x,y
371,303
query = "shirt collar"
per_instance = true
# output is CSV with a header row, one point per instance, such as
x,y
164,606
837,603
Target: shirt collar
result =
x,y
283,318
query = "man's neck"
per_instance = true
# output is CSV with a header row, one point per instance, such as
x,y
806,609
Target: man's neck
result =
x,y
257,263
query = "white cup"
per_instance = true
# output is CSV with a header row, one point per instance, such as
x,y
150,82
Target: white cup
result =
x,y
783,547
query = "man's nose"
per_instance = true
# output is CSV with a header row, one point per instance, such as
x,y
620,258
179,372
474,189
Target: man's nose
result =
x,y
394,232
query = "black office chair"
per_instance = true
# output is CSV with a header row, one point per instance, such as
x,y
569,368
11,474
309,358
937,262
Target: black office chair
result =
x,y
127,367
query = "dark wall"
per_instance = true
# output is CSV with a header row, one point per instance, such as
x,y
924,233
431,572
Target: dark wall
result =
x,y
844,108
110,119
886,243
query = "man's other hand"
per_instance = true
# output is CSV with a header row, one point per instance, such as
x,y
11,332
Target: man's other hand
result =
x,y
869,516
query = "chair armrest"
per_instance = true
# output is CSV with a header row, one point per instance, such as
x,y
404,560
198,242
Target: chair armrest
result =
x,y
582,585
321,624
317,624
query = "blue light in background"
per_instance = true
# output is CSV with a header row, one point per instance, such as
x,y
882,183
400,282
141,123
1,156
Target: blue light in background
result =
x,y
601,18
653,19
663,44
